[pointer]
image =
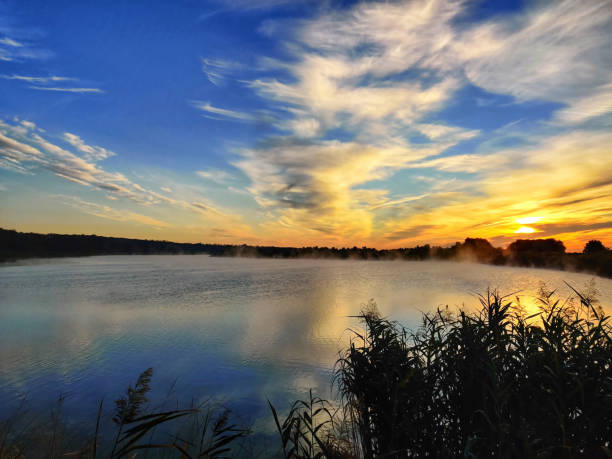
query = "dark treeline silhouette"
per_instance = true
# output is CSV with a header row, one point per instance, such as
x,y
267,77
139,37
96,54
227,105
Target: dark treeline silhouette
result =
x,y
540,253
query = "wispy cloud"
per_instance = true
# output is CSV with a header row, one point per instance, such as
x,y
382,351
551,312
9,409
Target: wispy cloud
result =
x,y
91,152
222,112
205,208
59,89
37,79
19,44
23,150
10,42
110,213
218,70
216,175
512,55
525,62
471,163
23,44
397,202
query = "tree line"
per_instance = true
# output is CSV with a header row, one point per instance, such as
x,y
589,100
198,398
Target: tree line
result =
x,y
541,253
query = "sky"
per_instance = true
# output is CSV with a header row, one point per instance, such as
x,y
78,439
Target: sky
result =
x,y
330,123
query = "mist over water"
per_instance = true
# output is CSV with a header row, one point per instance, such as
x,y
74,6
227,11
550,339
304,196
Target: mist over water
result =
x,y
236,329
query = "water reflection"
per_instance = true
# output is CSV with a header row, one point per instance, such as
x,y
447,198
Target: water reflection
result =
x,y
240,329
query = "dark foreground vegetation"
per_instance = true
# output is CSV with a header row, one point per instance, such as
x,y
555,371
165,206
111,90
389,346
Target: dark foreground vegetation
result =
x,y
498,382
540,253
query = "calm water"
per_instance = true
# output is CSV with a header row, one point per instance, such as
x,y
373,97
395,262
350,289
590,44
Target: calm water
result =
x,y
241,330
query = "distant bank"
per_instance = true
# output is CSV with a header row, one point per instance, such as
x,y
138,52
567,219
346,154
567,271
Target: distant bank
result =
x,y
540,253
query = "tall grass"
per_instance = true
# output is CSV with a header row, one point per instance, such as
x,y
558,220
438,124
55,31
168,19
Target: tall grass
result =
x,y
494,383
138,431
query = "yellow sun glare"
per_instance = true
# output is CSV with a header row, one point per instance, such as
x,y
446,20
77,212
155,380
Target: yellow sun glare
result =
x,y
525,229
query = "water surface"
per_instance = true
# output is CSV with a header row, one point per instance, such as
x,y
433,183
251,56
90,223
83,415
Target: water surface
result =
x,y
241,330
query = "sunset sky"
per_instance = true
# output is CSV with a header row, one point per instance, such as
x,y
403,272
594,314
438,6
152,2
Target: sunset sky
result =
x,y
386,124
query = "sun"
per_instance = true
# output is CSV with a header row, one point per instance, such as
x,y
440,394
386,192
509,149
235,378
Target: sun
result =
x,y
525,229
527,221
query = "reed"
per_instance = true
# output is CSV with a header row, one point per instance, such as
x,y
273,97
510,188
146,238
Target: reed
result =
x,y
494,383
207,434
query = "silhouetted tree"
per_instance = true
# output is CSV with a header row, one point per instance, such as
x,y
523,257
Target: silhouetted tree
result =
x,y
594,246
537,245
481,250
542,253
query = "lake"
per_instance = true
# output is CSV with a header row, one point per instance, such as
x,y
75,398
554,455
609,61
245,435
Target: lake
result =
x,y
234,329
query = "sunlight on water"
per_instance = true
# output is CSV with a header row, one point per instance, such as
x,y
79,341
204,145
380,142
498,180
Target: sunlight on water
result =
x,y
241,330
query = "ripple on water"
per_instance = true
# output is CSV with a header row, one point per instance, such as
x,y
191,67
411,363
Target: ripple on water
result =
x,y
239,329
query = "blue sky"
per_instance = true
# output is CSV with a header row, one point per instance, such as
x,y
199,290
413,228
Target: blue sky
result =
x,y
294,122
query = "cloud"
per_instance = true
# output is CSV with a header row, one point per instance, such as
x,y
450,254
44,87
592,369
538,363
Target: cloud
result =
x,y
564,179
398,202
557,51
38,80
205,208
222,113
18,45
554,229
10,42
592,105
76,90
444,132
471,163
409,233
91,153
344,76
110,213
238,191
18,150
304,127
22,150
22,44
325,99
314,186
216,175
378,72
218,70
314,183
